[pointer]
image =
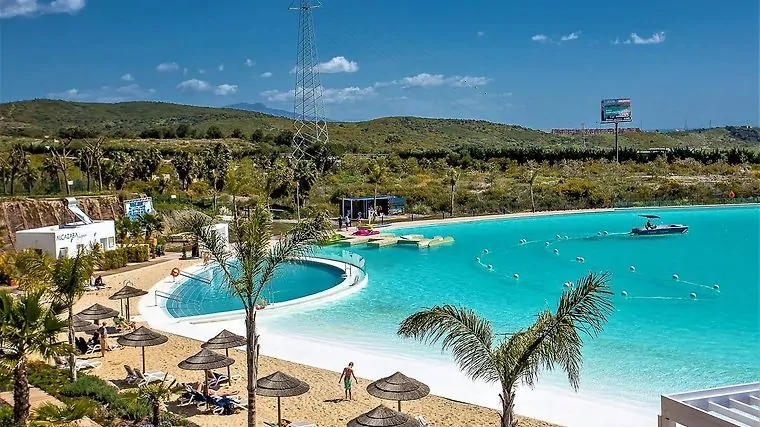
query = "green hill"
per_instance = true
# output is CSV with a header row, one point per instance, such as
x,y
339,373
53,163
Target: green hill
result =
x,y
37,118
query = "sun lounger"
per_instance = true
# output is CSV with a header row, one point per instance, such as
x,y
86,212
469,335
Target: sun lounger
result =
x,y
224,404
423,422
92,348
145,378
190,396
215,378
131,375
63,363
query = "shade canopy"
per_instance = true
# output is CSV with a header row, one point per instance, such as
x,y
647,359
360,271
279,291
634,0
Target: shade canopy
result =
x,y
224,339
127,292
142,337
383,417
82,325
206,360
280,385
398,387
97,312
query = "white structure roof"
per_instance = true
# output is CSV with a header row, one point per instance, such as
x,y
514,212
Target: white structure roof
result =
x,y
732,406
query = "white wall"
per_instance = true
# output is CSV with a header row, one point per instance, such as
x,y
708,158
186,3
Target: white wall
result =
x,y
223,229
59,242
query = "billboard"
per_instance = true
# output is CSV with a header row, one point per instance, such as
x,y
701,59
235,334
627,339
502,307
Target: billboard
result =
x,y
616,110
136,208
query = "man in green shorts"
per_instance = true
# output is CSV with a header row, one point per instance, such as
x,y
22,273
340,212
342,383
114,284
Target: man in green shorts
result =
x,y
348,372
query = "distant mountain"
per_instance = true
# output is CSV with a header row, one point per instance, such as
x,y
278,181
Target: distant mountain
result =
x,y
262,108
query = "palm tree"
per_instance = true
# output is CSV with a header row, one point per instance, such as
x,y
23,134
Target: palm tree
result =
x,y
29,176
304,175
154,395
67,278
28,325
185,164
376,175
553,339
151,222
254,268
18,161
62,160
53,415
453,178
530,177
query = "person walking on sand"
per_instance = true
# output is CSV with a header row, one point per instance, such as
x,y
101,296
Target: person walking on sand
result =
x,y
348,372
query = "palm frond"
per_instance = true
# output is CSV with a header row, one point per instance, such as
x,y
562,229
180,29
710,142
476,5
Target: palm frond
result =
x,y
468,336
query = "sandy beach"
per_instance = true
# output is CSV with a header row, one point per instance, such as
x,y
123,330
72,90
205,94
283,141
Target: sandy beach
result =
x,y
322,404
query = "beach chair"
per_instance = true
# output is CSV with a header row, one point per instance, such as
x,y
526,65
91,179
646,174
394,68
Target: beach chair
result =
x,y
131,375
190,396
224,405
62,363
150,377
423,422
92,348
215,379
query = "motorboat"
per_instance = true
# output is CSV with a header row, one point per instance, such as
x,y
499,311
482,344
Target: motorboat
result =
x,y
658,229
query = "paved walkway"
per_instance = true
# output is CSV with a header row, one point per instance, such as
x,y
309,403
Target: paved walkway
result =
x,y
170,256
37,398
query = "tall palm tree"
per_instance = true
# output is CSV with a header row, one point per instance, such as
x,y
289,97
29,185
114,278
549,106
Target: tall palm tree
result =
x,y
18,161
185,164
254,268
304,175
62,159
376,176
67,279
554,339
151,222
30,175
530,176
28,325
453,177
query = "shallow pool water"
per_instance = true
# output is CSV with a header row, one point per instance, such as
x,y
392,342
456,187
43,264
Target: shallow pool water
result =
x,y
659,339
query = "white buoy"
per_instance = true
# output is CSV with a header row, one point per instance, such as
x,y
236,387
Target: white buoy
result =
x,y
566,237
606,233
715,286
598,233
568,284
516,276
558,236
490,267
693,295
477,258
624,293
556,251
548,243
485,251
580,259
675,277
632,268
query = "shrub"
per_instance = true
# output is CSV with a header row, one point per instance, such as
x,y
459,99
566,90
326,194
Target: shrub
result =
x,y
92,387
47,378
138,253
116,258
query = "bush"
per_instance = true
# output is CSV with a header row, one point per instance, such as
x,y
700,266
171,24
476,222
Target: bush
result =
x,y
47,378
92,387
6,416
116,258
138,253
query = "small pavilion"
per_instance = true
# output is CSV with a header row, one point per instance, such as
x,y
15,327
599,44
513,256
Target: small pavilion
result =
x,y
388,205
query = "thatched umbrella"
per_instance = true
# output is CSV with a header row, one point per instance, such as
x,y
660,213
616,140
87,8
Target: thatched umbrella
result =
x,y
142,337
225,340
98,312
126,293
280,385
398,387
205,360
383,416
82,325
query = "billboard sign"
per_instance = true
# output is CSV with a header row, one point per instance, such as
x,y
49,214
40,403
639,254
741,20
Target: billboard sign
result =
x,y
616,110
136,208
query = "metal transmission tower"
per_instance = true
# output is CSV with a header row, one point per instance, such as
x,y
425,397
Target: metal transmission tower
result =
x,y
310,124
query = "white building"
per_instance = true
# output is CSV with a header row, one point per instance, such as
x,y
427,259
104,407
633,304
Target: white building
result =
x,y
65,240
731,406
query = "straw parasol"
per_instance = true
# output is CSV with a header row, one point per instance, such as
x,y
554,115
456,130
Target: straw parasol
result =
x,y
280,385
225,340
142,337
82,325
383,416
126,293
97,312
205,360
398,387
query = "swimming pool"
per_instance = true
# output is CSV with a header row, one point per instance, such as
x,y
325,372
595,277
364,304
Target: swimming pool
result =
x,y
205,292
659,340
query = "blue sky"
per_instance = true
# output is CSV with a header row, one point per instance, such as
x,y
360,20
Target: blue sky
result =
x,y
540,64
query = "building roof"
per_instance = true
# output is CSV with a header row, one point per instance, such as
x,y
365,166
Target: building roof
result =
x,y
735,405
369,198
54,228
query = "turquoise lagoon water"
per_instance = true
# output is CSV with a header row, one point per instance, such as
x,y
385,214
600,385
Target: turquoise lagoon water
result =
x,y
659,340
207,294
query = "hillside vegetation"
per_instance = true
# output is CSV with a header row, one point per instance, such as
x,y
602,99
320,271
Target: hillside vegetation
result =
x,y
159,120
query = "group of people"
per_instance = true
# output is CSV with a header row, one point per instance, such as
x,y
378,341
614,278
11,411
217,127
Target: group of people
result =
x,y
372,215
100,336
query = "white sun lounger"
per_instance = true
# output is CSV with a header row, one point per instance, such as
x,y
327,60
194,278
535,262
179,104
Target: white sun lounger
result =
x,y
145,378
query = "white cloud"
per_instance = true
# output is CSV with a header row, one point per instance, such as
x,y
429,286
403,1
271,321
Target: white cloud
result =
x,y
481,33
13,8
204,86
201,71
225,89
266,75
541,38
194,84
656,38
338,64
329,96
106,94
431,80
184,71
572,36
127,77
249,63
221,67
167,66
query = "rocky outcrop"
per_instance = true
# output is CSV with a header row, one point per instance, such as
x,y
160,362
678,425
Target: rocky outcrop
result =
x,y
24,213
